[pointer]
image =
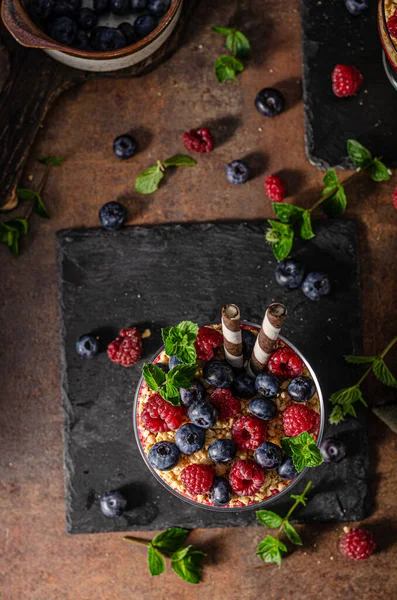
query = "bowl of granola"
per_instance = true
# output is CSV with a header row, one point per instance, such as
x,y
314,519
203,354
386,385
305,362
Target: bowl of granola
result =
x,y
215,433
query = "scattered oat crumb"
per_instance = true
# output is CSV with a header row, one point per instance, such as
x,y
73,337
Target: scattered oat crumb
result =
x,y
200,46
159,93
331,558
30,177
147,333
319,562
271,70
138,295
260,129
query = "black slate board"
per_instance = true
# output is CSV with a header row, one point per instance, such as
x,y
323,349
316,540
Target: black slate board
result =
x,y
330,35
157,276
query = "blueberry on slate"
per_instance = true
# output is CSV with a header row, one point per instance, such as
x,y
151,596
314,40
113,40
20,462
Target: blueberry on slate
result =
x,y
269,102
287,470
189,438
128,32
268,455
63,30
316,285
86,19
113,504
218,373
124,146
158,8
220,492
82,40
144,25
249,340
107,38
163,367
173,361
267,385
65,8
119,7
101,6
137,5
41,8
190,395
112,215
289,273
332,450
164,456
237,172
87,346
356,7
222,451
301,389
203,414
243,386
263,408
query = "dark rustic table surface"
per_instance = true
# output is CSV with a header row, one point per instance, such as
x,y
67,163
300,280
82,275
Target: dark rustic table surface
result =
x,y
39,561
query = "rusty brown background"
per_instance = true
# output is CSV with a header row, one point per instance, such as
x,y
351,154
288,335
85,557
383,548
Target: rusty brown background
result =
x,y
38,560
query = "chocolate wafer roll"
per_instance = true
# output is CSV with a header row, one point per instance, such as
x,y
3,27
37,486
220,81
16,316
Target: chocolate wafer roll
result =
x,y
267,338
232,338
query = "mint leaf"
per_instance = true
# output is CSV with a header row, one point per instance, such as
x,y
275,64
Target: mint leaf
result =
x,y
53,161
287,213
335,205
222,30
170,393
13,242
19,223
156,561
270,550
378,171
292,534
359,360
269,518
171,539
179,160
148,181
382,373
179,341
25,194
360,156
186,563
303,451
306,230
337,415
226,67
330,180
189,330
238,44
282,238
39,207
154,376
181,375
347,396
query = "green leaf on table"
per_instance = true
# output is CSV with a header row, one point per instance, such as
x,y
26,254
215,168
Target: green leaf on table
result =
x,y
238,44
292,534
53,161
179,341
330,180
335,205
360,155
171,539
282,238
303,451
39,207
148,181
179,160
156,561
269,518
287,213
382,372
359,360
186,563
226,67
154,376
347,396
306,230
19,223
222,30
337,415
378,171
270,550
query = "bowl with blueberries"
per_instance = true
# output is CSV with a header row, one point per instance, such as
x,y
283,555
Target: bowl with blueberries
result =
x,y
93,35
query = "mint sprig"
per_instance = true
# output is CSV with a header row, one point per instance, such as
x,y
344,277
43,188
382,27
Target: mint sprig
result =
x,y
344,400
185,561
168,384
271,549
149,180
227,66
303,451
179,341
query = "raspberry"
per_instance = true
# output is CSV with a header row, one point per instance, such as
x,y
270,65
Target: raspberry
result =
x,y
207,339
226,403
198,140
357,543
297,419
197,479
246,478
285,363
346,80
392,24
249,432
160,415
395,198
126,350
275,188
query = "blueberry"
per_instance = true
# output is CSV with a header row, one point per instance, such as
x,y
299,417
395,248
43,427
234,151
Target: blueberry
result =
x,y
41,8
249,340
237,172
144,25
301,389
267,385
82,40
218,374
86,19
203,414
268,455
112,215
220,492
137,5
101,6
222,451
87,346
65,8
287,470
124,146
356,7
164,456
269,102
63,30
128,32
193,394
316,285
243,386
332,450
158,8
113,504
263,408
119,7
189,438
163,366
173,361
289,273
107,38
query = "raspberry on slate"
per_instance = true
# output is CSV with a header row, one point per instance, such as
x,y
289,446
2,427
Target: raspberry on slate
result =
x,y
392,24
246,478
346,80
198,140
249,432
298,418
275,188
207,339
285,363
357,543
160,415
228,406
197,479
126,350
395,198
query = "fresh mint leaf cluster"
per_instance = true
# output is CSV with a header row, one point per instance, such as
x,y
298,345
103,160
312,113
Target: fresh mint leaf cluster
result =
x,y
179,341
228,65
11,231
148,181
303,451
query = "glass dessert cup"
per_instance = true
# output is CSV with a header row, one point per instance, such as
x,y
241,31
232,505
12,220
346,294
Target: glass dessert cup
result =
x,y
386,9
253,506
